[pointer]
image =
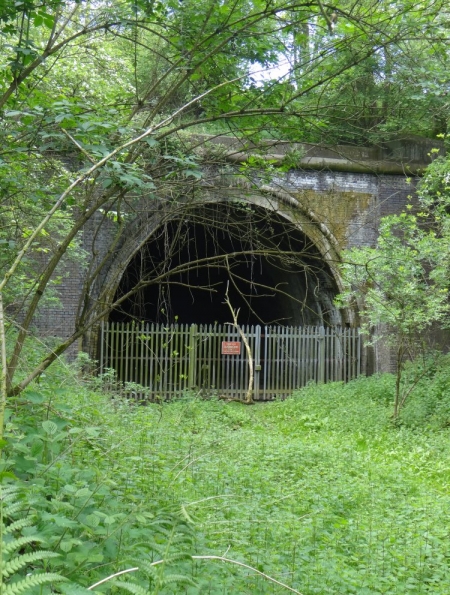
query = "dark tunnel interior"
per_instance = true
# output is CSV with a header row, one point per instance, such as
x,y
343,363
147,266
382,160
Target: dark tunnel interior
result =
x,y
274,274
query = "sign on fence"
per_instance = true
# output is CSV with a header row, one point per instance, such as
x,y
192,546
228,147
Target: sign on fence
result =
x,y
170,360
231,348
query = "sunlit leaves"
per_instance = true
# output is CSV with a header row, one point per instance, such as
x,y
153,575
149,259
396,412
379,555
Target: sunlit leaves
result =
x,y
401,286
403,281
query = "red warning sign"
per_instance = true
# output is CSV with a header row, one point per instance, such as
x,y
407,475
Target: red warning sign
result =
x,y
231,348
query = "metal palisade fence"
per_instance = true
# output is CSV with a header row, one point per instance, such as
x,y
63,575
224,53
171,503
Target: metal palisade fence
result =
x,y
212,359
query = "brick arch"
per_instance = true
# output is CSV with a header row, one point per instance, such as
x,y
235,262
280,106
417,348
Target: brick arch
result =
x,y
141,230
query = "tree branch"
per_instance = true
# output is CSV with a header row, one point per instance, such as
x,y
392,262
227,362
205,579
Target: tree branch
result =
x,y
235,314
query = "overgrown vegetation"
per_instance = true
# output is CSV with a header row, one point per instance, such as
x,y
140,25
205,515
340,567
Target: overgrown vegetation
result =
x,y
323,493
402,289
401,284
99,103
320,492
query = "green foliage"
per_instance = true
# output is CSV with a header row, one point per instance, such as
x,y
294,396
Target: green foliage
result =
x,y
13,563
404,279
434,188
85,520
320,491
429,404
80,82
401,286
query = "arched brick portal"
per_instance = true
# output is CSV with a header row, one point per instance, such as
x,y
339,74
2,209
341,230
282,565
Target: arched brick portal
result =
x,y
279,262
333,203
330,210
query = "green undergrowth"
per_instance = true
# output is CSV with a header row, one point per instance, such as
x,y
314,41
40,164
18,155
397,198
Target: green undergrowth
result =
x,y
321,492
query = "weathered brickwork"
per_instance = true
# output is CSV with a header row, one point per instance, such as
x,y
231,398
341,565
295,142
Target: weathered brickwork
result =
x,y
336,209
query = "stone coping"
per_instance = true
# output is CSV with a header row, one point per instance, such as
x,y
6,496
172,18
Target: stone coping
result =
x,y
408,156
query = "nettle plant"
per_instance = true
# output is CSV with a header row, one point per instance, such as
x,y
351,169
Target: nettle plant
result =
x,y
89,508
65,523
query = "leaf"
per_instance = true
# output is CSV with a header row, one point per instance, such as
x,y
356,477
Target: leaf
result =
x,y
14,114
74,589
178,578
92,432
92,520
49,427
19,562
66,545
151,142
18,525
62,521
30,582
49,20
20,542
83,493
34,397
193,173
131,587
107,182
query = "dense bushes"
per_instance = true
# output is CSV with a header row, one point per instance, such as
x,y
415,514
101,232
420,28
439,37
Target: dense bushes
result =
x,y
429,402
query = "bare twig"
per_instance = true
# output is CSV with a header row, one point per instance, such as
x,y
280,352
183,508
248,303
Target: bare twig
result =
x,y
235,314
217,558
77,144
255,570
4,367
108,578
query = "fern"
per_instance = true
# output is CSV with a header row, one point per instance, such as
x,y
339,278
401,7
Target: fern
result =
x,y
8,493
147,567
24,560
179,579
10,546
74,589
29,582
9,511
172,542
18,525
177,557
134,586
17,565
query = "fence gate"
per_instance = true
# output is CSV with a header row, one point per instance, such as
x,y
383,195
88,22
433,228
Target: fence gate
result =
x,y
212,359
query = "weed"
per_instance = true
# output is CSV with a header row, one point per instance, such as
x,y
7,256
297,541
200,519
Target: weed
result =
x,y
321,492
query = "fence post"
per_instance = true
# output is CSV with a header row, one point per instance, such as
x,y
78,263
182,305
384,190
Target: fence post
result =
x,y
102,345
192,357
257,363
321,370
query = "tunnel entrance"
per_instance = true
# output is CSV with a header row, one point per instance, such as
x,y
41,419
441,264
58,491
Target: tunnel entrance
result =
x,y
274,273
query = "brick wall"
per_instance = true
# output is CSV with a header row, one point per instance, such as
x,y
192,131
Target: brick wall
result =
x,y
348,204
